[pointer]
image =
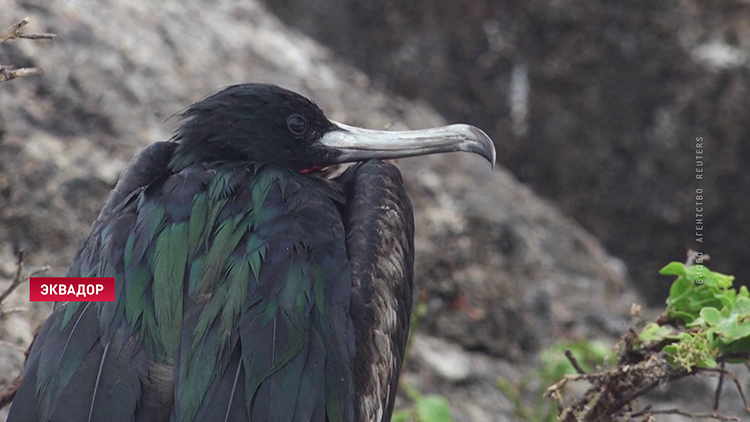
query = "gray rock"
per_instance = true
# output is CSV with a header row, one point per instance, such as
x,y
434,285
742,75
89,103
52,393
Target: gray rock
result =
x,y
595,104
501,271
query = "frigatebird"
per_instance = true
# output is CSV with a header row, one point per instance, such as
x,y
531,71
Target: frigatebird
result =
x,y
248,286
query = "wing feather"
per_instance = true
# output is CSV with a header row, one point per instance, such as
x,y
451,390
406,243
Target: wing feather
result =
x,y
249,302
380,242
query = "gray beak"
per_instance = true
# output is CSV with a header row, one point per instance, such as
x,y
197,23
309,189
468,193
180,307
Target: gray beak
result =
x,y
356,144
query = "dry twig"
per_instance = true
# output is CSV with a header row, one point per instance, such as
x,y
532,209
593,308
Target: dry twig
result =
x,y
574,362
11,346
9,391
18,279
17,310
721,371
7,73
717,395
641,368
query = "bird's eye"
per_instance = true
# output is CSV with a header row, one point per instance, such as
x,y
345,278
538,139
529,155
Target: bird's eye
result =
x,y
296,124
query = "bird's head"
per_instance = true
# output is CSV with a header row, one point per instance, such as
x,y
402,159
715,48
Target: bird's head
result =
x,y
269,124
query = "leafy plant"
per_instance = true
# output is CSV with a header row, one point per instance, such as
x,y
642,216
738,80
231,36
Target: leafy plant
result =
x,y
716,317
705,325
695,288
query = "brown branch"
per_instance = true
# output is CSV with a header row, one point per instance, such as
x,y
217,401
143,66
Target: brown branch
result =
x,y
4,313
734,378
9,392
12,346
14,32
612,393
18,279
636,394
717,394
7,73
574,361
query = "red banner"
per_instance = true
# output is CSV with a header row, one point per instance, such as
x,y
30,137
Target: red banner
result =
x,y
72,289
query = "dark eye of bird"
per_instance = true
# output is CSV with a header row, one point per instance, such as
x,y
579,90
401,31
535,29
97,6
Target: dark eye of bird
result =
x,y
297,124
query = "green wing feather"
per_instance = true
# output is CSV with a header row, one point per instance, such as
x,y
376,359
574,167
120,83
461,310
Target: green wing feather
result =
x,y
235,274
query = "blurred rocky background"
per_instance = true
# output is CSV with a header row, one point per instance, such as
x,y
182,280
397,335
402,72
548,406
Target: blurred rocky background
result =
x,y
594,107
593,104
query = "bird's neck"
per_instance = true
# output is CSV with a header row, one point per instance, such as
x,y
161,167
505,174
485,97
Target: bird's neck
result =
x,y
187,154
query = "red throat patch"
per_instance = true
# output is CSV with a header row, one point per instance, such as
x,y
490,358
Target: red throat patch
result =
x,y
311,169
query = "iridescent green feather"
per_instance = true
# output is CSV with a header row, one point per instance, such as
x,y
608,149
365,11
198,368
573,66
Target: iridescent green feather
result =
x,y
238,278
138,279
225,240
198,221
170,262
197,266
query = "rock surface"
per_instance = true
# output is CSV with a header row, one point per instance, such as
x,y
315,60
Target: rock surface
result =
x,y
501,272
596,104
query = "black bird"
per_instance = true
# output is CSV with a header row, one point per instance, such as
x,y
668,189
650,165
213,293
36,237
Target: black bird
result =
x,y
248,286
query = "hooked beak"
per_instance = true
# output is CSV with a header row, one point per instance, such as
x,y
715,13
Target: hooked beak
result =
x,y
356,144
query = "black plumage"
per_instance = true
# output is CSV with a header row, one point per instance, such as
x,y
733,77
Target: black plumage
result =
x,y
248,286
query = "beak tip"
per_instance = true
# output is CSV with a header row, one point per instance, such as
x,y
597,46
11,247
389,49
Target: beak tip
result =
x,y
485,147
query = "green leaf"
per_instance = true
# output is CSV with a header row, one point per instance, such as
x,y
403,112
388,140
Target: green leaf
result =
x,y
711,315
654,332
433,409
742,305
707,362
673,268
741,331
679,287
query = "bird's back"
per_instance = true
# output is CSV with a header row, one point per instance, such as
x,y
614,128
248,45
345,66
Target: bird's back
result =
x,y
233,289
244,291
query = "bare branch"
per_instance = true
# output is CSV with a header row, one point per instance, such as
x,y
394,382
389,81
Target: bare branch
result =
x,y
9,345
717,395
4,313
574,361
14,32
7,73
642,367
9,392
18,279
734,378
